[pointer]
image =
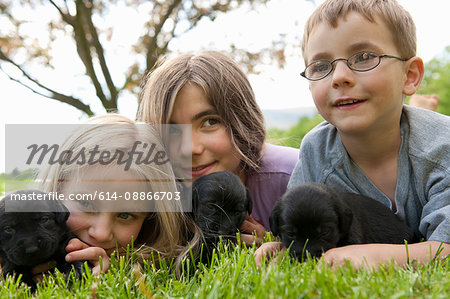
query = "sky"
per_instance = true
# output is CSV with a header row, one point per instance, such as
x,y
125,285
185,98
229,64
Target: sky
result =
x,y
274,88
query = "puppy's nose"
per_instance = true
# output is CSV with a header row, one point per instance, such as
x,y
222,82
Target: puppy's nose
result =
x,y
31,249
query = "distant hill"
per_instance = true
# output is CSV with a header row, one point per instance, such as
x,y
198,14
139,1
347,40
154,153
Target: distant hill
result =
x,y
286,118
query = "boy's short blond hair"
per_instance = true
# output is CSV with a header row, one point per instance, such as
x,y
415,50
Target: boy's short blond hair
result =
x,y
397,19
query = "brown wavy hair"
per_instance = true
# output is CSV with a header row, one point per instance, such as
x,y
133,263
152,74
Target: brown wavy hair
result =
x,y
227,89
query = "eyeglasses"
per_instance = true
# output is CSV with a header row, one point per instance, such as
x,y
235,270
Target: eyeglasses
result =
x,y
360,62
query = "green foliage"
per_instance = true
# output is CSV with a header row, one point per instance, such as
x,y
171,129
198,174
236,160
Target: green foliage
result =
x,y
437,80
293,136
234,274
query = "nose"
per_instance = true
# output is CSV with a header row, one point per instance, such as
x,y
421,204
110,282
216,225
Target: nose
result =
x,y
185,142
342,75
196,144
101,229
29,244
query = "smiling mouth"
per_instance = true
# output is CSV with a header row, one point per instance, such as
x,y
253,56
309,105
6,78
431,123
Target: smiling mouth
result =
x,y
348,102
201,167
198,168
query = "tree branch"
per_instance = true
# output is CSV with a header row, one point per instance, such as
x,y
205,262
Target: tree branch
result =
x,y
83,48
152,47
84,52
65,16
100,53
53,94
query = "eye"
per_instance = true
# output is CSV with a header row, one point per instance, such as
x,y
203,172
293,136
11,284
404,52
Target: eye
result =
x,y
85,206
125,216
318,68
9,230
208,122
44,220
363,57
174,130
321,66
325,231
291,235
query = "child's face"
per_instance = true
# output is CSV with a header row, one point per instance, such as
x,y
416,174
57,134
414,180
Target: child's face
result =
x,y
376,96
211,149
99,223
107,230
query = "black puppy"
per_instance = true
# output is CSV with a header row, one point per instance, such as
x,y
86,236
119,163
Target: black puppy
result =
x,y
220,205
314,218
28,239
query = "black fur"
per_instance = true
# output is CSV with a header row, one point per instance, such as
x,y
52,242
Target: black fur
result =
x,y
314,217
28,239
220,204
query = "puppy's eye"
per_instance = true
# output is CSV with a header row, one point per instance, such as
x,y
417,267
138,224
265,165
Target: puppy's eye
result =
x,y
44,220
290,235
9,230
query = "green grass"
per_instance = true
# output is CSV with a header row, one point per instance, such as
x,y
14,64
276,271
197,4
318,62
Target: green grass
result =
x,y
233,274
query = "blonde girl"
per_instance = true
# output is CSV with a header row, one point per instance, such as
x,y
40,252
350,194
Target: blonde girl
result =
x,y
103,226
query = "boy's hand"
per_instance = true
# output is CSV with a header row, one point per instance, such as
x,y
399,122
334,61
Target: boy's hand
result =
x,y
268,250
249,227
79,251
370,256
367,256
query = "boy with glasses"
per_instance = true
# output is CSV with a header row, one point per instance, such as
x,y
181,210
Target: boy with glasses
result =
x,y
360,60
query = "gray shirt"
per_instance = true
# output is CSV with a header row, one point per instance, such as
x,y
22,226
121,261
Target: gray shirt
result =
x,y
422,195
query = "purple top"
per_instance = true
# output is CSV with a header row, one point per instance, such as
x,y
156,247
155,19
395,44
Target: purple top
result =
x,y
269,183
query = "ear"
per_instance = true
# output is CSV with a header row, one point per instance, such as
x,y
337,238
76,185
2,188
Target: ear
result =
x,y
414,71
345,220
2,204
61,213
274,219
194,198
344,212
345,216
249,201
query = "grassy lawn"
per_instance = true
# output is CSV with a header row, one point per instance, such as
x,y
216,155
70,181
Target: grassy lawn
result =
x,y
233,274
12,185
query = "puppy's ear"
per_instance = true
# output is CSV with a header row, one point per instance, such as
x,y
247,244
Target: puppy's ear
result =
x,y
249,201
2,204
345,215
274,219
61,212
195,197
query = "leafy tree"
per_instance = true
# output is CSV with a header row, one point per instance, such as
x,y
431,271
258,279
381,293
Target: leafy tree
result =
x,y
83,22
437,80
